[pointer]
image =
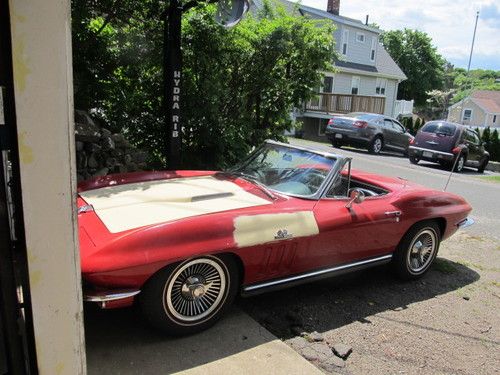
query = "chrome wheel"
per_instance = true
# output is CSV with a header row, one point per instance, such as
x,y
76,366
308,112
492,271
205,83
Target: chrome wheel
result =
x,y
460,163
376,145
422,251
196,289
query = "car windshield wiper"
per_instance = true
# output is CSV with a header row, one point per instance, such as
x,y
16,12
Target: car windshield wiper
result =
x,y
253,180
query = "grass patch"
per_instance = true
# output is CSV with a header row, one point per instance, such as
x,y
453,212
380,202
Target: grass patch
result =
x,y
491,178
444,266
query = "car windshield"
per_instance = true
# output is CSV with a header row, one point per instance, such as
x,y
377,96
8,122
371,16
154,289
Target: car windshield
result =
x,y
286,169
439,128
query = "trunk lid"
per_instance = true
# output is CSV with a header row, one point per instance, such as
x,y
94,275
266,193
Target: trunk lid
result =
x,y
437,137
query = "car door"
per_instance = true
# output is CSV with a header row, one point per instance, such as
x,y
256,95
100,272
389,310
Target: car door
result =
x,y
400,136
390,136
474,145
366,230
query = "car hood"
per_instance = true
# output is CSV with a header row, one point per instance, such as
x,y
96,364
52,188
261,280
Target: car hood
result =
x,y
138,204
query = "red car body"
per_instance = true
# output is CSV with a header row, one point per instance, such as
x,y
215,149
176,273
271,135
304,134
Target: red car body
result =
x,y
115,266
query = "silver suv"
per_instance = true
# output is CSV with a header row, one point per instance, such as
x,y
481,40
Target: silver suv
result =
x,y
368,130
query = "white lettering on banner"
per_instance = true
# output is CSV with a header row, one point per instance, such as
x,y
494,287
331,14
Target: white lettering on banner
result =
x,y
175,103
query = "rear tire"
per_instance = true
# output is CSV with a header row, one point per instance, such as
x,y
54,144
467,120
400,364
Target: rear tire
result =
x,y
417,250
376,145
336,143
413,159
191,296
483,165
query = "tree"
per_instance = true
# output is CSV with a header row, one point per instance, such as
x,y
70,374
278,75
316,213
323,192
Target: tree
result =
x,y
239,85
413,51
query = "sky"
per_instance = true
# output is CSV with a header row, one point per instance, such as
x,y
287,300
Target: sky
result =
x,y
450,24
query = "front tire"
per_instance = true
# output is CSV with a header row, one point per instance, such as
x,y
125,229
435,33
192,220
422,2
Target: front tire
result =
x,y
483,165
417,250
413,159
376,145
336,144
460,163
191,296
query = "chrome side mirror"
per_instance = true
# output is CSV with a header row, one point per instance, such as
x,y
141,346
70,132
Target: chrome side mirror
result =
x,y
355,196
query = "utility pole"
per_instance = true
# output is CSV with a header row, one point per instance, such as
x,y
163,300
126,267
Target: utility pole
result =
x,y
468,67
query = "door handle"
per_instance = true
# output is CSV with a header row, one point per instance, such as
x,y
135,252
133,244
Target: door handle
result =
x,y
395,214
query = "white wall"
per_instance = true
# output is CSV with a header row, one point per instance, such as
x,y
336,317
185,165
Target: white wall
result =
x,y
43,85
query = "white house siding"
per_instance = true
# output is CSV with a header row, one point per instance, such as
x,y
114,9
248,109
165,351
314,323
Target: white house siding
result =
x,y
357,52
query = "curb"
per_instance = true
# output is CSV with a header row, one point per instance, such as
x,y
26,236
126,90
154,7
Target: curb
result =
x,y
493,166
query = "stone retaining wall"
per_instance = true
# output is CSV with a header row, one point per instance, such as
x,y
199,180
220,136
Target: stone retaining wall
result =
x,y
100,152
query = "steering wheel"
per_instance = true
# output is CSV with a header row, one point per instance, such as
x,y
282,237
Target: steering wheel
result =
x,y
313,180
368,193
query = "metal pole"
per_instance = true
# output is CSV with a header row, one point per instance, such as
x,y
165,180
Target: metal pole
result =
x,y
463,100
468,66
172,84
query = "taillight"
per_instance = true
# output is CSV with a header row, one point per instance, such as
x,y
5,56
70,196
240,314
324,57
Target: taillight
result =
x,y
330,122
456,150
412,141
360,124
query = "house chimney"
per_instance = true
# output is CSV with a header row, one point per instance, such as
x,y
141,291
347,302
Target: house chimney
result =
x,y
366,22
333,7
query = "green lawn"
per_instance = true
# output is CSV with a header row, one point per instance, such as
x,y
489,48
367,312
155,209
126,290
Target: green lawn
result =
x,y
491,178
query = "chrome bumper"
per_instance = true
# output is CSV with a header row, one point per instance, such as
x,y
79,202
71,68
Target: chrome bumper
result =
x,y
467,222
102,298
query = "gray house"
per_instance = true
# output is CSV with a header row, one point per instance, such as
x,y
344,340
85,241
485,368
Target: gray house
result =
x,y
366,79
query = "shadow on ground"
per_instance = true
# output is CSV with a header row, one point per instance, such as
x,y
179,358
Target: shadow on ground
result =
x,y
119,342
332,303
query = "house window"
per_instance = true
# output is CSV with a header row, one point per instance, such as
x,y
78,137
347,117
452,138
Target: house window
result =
x,y
345,41
328,85
467,114
374,46
360,37
355,85
380,86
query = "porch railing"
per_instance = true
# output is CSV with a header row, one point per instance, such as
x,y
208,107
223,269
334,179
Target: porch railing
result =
x,y
344,103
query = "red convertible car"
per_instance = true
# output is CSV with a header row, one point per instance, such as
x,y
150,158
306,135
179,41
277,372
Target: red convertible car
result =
x,y
183,244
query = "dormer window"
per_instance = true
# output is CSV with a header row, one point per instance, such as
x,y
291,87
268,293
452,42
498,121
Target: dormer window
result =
x,y
345,41
360,37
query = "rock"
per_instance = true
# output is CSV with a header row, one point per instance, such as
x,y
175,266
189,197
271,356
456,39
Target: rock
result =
x,y
342,350
140,157
322,350
298,343
332,364
92,161
85,128
81,161
92,147
111,162
466,298
316,336
119,139
107,143
309,354
106,133
79,145
101,172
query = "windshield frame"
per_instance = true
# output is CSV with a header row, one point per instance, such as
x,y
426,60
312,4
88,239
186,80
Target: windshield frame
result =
x,y
338,165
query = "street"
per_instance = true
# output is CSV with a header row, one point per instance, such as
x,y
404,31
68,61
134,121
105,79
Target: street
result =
x,y
483,196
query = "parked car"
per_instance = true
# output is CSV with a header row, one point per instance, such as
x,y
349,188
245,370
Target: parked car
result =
x,y
368,130
449,144
183,244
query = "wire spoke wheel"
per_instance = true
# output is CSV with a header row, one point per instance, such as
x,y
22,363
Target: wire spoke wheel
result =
x,y
422,250
196,289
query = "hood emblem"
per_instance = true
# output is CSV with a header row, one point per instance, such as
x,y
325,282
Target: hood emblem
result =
x,y
282,234
432,142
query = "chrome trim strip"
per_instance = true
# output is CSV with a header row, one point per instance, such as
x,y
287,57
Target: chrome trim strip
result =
x,y
105,297
430,150
316,273
467,222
